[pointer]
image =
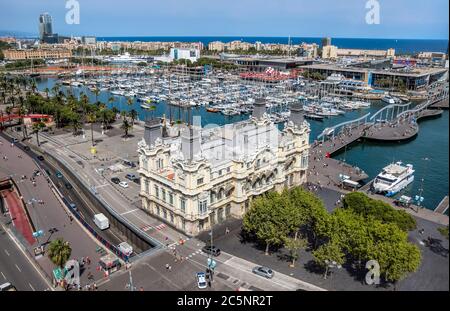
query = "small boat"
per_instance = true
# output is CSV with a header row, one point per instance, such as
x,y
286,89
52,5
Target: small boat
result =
x,y
393,178
145,106
388,99
314,117
212,109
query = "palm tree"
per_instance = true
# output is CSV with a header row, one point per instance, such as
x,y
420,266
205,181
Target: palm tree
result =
x,y
129,101
96,91
76,125
37,127
59,252
126,126
133,115
92,118
46,90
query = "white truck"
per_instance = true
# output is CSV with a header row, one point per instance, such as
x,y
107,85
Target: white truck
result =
x,y
101,221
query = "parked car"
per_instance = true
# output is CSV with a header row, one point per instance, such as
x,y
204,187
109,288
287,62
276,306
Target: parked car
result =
x,y
14,140
123,184
68,186
201,280
73,206
26,148
263,271
129,163
115,180
7,287
211,250
131,176
58,174
40,158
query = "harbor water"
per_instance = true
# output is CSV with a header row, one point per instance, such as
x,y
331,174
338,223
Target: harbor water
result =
x,y
428,152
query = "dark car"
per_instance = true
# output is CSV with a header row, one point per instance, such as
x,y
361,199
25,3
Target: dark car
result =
x,y
40,158
26,148
211,250
115,180
58,174
129,163
68,186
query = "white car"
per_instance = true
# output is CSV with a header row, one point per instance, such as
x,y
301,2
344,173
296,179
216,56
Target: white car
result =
x,y
123,184
201,280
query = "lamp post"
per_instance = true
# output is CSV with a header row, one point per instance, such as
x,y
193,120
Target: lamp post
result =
x,y
419,198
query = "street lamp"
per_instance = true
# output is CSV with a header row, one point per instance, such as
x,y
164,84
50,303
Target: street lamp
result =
x,y
419,198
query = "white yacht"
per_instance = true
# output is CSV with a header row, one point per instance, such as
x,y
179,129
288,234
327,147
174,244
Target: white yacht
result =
x,y
393,178
388,99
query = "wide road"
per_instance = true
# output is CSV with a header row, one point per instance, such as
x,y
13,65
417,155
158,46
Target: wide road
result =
x,y
16,268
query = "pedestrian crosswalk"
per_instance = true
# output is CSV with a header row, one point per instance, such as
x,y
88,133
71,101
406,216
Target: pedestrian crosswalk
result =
x,y
149,227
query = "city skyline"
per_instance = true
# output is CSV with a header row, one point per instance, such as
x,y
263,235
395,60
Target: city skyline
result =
x,y
400,20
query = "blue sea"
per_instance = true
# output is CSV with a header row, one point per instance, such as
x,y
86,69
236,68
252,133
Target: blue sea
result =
x,y
401,46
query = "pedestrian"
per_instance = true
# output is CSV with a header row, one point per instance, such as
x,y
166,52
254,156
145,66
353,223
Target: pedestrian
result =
x,y
170,268
227,230
167,266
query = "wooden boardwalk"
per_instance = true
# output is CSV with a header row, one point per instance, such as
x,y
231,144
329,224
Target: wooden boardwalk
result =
x,y
443,206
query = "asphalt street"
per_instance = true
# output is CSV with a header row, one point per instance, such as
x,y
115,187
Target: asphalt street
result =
x,y
16,268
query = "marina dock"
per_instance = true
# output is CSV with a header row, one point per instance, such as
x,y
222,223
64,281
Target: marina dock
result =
x,y
443,206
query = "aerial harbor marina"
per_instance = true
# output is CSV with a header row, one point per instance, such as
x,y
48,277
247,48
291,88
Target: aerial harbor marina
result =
x,y
136,161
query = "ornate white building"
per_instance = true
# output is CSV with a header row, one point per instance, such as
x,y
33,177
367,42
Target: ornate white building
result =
x,y
193,178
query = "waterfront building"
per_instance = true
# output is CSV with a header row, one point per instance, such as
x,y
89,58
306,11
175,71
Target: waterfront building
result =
x,y
91,40
333,52
329,52
183,53
37,54
217,46
413,78
193,177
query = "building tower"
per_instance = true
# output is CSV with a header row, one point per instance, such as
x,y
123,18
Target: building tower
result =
x,y
45,26
326,41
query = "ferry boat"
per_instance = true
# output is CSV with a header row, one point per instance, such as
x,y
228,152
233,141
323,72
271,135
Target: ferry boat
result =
x,y
393,178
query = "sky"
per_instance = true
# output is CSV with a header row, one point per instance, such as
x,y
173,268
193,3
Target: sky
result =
x,y
399,19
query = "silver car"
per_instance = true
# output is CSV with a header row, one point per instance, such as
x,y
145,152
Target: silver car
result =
x,y
263,271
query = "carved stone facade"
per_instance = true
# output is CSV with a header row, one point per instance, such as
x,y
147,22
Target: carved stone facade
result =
x,y
227,167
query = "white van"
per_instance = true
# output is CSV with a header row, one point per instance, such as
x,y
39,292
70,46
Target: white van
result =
x,y
101,221
125,248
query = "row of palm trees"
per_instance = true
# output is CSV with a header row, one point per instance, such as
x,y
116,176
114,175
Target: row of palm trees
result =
x,y
66,109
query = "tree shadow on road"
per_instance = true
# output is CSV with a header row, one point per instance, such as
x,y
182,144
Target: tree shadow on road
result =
x,y
435,245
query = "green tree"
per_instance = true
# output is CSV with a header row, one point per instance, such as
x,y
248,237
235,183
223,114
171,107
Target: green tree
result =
x,y
133,115
293,245
365,206
326,254
59,252
37,127
126,126
265,220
